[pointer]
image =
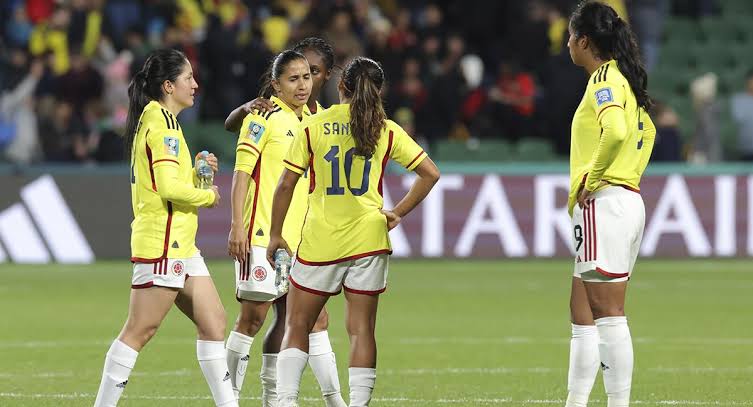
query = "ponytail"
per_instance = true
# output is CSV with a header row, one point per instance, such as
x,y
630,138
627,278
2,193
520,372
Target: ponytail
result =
x,y
137,100
362,80
161,65
613,39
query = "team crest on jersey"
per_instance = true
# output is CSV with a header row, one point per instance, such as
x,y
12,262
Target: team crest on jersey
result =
x,y
178,268
604,95
259,273
172,146
255,131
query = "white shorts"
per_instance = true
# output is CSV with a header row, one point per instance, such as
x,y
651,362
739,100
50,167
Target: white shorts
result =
x,y
168,272
607,235
367,275
255,279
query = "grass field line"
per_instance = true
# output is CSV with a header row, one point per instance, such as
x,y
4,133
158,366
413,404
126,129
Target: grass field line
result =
x,y
502,370
409,341
492,401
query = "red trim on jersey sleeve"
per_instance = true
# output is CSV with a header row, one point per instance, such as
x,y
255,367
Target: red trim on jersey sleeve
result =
x,y
166,159
311,290
353,257
362,292
151,168
312,180
417,157
612,275
252,147
256,175
605,108
384,162
293,165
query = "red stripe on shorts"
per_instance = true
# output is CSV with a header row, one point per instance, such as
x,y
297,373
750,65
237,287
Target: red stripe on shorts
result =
x,y
585,234
593,225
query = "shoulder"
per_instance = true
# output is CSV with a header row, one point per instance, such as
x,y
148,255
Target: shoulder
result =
x,y
156,116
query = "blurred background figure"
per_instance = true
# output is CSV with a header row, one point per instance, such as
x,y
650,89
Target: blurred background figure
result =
x,y
742,112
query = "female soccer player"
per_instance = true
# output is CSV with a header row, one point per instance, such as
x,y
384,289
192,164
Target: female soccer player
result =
x,y
345,242
612,138
321,58
165,201
262,145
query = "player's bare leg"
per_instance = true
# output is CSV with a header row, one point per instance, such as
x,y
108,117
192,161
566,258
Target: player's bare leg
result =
x,y
323,362
584,347
200,302
302,311
361,327
607,301
147,308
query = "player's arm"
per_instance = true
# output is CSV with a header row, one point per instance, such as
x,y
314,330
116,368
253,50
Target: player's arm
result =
x,y
411,156
607,101
296,163
280,206
235,118
252,138
165,144
170,187
428,175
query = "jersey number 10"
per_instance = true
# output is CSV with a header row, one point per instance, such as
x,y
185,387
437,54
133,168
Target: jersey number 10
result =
x,y
336,189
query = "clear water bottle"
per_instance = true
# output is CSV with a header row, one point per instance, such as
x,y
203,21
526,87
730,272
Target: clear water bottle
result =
x,y
282,268
204,171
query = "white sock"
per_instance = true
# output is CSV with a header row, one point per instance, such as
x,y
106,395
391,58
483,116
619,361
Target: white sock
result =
x,y
616,351
211,356
268,380
238,346
323,363
362,381
119,361
290,365
584,364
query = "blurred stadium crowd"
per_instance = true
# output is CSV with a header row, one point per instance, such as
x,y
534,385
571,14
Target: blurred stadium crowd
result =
x,y
65,67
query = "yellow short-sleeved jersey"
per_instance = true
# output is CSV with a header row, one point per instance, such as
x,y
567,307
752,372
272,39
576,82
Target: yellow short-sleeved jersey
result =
x,y
263,142
591,158
161,228
344,219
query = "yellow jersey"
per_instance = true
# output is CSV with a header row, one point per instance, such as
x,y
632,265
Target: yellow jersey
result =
x,y
596,155
164,196
344,219
263,142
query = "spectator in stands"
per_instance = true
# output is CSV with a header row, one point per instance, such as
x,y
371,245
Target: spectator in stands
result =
x,y
742,113
18,122
512,98
648,23
707,146
668,142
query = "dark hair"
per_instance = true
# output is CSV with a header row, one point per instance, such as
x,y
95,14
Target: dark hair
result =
x,y
612,38
161,65
363,79
275,70
319,46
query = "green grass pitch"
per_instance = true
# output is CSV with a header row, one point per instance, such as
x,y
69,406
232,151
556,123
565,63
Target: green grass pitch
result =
x,y
450,333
